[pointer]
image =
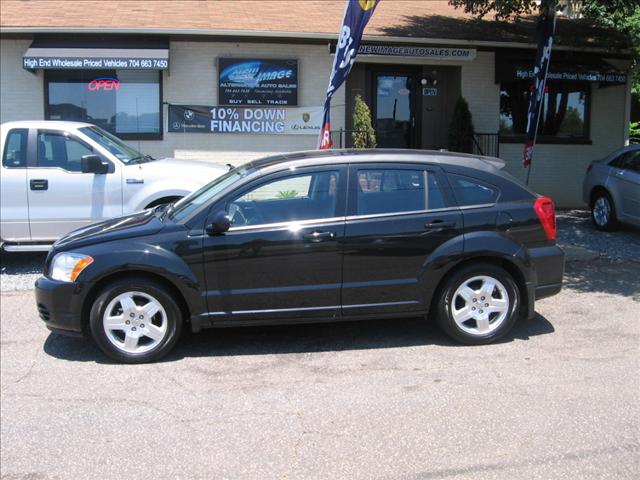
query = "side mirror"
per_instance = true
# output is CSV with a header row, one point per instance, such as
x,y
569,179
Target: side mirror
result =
x,y
93,164
220,224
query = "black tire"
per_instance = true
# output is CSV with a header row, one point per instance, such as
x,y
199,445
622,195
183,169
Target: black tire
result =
x,y
602,200
499,326
171,315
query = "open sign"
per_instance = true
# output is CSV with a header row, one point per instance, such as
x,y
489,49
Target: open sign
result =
x,y
104,84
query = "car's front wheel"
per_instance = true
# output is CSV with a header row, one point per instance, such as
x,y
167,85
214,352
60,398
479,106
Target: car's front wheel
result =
x,y
603,212
478,305
135,321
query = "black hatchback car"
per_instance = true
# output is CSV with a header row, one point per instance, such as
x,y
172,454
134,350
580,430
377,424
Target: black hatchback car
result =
x,y
312,237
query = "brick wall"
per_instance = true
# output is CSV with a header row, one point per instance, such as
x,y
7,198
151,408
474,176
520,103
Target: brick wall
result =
x,y
21,92
558,170
192,79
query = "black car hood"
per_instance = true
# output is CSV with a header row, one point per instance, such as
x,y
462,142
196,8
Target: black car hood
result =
x,y
134,225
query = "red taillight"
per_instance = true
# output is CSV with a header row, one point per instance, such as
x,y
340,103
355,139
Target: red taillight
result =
x,y
547,215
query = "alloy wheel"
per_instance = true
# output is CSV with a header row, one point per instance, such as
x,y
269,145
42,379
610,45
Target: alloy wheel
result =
x,y
602,211
135,322
480,305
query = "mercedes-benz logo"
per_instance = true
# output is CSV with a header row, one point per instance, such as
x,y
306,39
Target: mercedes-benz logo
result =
x,y
177,125
188,115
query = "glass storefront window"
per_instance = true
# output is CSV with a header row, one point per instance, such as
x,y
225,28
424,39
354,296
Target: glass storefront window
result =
x,y
126,103
564,112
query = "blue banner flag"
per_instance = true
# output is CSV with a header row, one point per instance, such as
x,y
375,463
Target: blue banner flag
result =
x,y
356,16
545,30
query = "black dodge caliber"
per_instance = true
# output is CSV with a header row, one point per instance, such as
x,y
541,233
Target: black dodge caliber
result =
x,y
312,237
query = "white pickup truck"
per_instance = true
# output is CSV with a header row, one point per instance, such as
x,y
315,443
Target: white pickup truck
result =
x,y
59,176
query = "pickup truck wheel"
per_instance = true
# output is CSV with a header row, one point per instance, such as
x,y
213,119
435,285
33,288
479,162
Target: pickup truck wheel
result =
x,y
135,321
478,305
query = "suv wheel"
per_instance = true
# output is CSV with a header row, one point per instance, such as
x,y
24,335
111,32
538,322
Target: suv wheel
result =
x,y
135,321
603,213
479,304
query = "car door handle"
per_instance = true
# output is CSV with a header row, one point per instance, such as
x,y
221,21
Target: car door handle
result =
x,y
39,184
318,236
439,225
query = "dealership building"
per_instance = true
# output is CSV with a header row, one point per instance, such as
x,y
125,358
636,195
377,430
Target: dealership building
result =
x,y
229,81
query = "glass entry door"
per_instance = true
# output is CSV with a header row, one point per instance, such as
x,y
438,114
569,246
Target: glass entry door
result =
x,y
394,115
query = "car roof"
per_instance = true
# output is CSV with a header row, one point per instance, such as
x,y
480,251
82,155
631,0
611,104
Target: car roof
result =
x,y
319,157
55,124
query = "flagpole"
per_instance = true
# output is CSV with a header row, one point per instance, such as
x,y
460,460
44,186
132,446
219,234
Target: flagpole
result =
x,y
548,5
355,18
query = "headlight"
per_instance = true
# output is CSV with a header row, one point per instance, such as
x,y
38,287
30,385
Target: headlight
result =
x,y
67,266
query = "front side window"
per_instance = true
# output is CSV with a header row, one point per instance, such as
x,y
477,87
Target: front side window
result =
x,y
184,207
470,191
381,191
124,102
56,149
15,148
292,198
563,114
114,145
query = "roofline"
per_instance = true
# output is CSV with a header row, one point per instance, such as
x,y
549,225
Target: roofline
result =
x,y
311,36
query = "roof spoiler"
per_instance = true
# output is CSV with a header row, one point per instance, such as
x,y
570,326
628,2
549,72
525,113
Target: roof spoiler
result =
x,y
494,162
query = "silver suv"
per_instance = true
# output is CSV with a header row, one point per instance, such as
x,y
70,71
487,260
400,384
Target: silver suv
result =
x,y
59,176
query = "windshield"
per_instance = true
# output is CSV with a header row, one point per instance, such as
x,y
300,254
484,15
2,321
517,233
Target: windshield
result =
x,y
117,147
185,206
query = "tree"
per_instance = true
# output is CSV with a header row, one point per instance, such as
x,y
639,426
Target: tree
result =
x,y
461,128
364,136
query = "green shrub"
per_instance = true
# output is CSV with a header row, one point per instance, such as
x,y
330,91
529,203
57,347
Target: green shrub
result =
x,y
288,194
364,136
461,128
634,132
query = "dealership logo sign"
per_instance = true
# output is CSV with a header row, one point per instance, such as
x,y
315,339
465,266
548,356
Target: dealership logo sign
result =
x,y
104,84
252,74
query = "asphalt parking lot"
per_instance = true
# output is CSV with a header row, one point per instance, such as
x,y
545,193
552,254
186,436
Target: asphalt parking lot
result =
x,y
558,398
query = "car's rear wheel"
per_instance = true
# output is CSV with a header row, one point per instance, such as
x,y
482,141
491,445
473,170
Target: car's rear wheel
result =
x,y
603,212
135,321
478,305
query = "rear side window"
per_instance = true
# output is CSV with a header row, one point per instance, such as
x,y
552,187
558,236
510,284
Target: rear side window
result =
x,y
15,148
470,191
382,191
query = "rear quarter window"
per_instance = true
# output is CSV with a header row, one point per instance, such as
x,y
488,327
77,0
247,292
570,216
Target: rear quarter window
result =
x,y
471,191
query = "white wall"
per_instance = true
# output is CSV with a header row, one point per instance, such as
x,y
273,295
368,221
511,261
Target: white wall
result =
x,y
558,170
481,92
192,79
21,92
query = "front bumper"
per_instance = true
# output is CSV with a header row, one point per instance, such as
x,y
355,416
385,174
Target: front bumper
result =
x,y
60,304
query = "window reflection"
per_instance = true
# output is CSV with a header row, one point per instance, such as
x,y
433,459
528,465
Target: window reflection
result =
x,y
563,111
123,102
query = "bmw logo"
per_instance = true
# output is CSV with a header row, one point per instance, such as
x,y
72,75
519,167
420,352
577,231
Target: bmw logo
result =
x,y
188,115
